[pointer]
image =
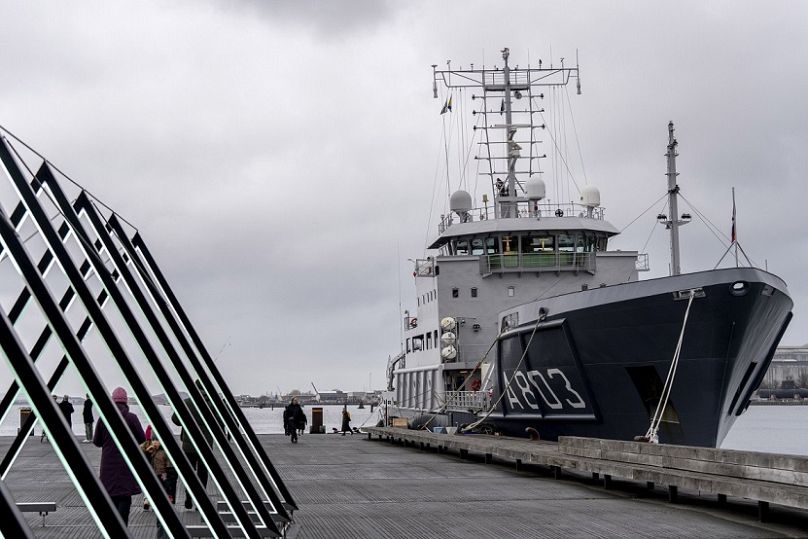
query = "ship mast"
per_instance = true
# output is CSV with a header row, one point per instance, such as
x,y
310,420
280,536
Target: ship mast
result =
x,y
673,190
508,202
501,92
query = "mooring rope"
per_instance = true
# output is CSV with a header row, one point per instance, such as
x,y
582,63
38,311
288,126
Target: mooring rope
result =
x,y
505,389
651,435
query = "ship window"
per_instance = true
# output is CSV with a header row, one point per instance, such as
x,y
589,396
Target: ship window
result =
x,y
580,242
429,340
566,242
491,246
473,292
602,243
508,244
462,247
538,244
511,291
435,336
455,292
589,245
418,343
408,346
477,246
419,301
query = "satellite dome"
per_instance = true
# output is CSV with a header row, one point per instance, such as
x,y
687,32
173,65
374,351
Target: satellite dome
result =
x,y
448,323
460,202
448,352
535,189
590,196
448,338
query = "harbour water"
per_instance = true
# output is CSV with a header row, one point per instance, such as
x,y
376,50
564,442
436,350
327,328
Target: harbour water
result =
x,y
263,420
774,429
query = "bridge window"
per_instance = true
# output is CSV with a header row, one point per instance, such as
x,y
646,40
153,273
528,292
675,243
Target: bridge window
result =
x,y
462,247
509,244
491,246
455,292
408,346
566,242
477,246
473,292
538,244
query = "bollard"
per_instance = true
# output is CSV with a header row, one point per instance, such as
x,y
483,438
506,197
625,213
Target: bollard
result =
x,y
317,426
25,412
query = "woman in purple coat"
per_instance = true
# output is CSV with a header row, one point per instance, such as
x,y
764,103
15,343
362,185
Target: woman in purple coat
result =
x,y
115,474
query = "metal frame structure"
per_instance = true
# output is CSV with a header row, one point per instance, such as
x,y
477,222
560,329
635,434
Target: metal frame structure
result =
x,y
210,412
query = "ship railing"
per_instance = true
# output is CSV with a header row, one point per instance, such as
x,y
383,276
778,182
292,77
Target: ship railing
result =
x,y
467,401
555,261
524,210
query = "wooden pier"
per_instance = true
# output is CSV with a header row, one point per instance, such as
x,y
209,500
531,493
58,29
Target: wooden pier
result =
x,y
348,487
764,478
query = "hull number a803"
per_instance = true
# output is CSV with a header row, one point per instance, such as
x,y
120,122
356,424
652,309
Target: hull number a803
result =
x,y
526,388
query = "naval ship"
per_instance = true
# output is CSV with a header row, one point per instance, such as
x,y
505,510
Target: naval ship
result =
x,y
527,322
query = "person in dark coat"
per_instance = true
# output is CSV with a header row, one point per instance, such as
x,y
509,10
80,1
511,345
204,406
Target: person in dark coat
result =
x,y
115,474
67,409
346,420
293,419
87,415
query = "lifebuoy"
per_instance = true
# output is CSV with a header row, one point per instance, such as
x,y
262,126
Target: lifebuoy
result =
x,y
413,322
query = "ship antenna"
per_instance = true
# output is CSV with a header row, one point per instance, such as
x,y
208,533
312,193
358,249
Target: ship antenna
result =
x,y
673,190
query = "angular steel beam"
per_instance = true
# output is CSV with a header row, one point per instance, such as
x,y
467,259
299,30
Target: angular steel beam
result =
x,y
168,305
184,468
64,443
119,430
83,204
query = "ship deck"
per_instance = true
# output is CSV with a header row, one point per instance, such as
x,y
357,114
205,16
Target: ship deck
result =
x,y
350,487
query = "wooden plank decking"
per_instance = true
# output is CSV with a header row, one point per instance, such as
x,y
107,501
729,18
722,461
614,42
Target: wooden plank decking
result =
x,y
347,487
761,477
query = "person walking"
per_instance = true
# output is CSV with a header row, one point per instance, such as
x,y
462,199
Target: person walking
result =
x,y
165,472
346,420
67,409
87,415
116,477
293,419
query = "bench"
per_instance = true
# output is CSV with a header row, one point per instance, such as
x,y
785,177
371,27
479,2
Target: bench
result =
x,y
43,508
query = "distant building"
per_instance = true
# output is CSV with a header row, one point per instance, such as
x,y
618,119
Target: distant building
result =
x,y
789,368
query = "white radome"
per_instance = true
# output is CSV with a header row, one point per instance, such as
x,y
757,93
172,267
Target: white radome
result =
x,y
590,196
448,338
460,202
535,189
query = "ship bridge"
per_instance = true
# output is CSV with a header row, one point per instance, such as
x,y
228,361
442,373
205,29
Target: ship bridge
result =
x,y
541,237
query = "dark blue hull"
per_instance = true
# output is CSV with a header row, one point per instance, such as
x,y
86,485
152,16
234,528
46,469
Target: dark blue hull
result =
x,y
598,370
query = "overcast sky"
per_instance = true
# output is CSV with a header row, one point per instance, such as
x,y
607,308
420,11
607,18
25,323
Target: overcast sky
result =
x,y
281,157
